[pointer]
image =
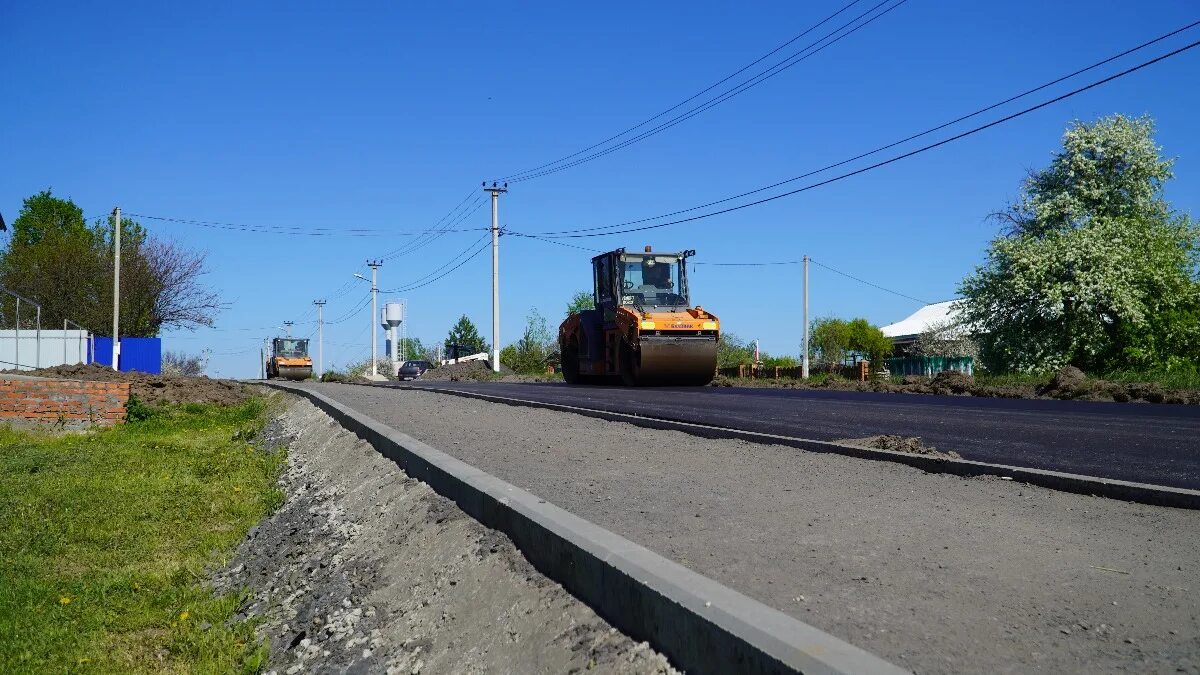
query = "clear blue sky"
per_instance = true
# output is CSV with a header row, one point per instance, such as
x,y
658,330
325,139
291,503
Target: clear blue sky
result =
x,y
385,115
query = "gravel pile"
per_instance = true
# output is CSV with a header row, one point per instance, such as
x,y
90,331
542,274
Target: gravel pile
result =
x,y
465,370
152,389
364,569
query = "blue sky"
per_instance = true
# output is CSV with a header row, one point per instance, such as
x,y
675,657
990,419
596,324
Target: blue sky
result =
x,y
384,116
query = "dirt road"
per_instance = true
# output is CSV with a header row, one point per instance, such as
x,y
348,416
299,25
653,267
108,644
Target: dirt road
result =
x,y
935,573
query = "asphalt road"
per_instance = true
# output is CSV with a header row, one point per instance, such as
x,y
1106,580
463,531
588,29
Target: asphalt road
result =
x,y
1147,443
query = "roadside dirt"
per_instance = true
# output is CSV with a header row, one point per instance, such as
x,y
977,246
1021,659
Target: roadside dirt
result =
x,y
366,570
152,389
466,370
911,445
1068,383
935,573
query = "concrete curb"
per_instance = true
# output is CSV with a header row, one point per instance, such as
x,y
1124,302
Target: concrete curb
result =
x,y
701,625
1142,493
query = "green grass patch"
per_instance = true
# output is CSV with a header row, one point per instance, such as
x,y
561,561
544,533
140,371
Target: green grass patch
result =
x,y
106,539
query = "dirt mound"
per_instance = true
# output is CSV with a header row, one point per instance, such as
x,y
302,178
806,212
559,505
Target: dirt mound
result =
x,y
152,389
1068,382
466,370
910,444
952,382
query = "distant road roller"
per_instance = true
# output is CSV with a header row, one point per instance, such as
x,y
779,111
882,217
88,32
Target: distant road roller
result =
x,y
289,359
644,329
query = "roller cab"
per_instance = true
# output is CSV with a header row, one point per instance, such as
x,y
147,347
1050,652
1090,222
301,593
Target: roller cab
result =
x,y
289,359
644,329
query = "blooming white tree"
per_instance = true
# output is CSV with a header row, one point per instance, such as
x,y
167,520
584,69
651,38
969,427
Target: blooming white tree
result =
x,y
1093,269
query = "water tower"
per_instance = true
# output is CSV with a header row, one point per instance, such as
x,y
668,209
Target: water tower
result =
x,y
393,316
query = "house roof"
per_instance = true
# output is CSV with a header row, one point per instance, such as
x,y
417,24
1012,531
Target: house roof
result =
x,y
938,312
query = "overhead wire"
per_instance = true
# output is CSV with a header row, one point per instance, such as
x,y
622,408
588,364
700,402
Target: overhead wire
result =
x,y
888,146
590,232
425,281
687,100
774,70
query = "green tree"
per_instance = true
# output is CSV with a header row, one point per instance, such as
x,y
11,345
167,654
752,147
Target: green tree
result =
x,y
580,301
57,260
733,351
1093,268
833,340
465,333
829,339
412,348
535,348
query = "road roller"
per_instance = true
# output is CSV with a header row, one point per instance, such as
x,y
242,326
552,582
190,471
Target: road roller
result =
x,y
644,329
289,359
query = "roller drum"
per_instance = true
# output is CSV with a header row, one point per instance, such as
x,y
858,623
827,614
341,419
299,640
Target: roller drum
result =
x,y
295,372
675,360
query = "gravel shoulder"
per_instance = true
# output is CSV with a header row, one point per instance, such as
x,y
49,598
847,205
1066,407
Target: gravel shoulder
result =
x,y
936,573
364,569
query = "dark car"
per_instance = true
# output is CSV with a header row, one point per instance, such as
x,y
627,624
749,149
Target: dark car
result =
x,y
411,370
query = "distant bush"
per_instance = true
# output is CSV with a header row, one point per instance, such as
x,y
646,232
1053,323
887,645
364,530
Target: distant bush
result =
x,y
178,363
334,376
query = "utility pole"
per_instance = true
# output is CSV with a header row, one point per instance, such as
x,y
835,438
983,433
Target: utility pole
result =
x,y
262,358
496,192
804,359
116,338
320,337
289,325
374,265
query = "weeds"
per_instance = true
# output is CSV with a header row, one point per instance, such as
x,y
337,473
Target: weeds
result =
x,y
106,539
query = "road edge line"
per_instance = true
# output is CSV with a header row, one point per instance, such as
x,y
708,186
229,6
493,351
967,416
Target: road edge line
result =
x,y
701,625
1111,488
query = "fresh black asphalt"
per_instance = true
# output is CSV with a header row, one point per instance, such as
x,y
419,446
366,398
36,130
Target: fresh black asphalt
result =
x,y
1146,443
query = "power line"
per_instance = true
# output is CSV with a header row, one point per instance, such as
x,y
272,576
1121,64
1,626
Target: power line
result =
x,y
569,234
774,70
443,275
465,251
437,234
287,229
687,100
882,147
868,283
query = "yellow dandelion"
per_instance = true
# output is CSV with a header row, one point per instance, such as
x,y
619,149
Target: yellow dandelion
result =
x,y
183,615
84,660
64,600
137,586
237,488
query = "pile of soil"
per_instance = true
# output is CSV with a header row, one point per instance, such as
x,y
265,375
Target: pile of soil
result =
x,y
1067,383
152,389
465,370
909,444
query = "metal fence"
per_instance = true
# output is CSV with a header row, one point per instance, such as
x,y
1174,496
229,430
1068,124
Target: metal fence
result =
x,y
25,345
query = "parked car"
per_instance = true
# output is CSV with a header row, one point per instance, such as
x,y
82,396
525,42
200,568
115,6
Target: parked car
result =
x,y
411,370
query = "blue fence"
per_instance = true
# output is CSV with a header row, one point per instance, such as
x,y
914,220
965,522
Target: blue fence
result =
x,y
141,354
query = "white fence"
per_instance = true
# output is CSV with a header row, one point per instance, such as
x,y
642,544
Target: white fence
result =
x,y
27,349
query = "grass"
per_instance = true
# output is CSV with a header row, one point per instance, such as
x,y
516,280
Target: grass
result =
x,y
106,539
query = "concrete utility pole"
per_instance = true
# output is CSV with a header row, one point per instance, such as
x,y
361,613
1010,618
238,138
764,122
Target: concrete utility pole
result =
x,y
804,359
289,325
116,338
496,192
262,358
320,337
374,265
